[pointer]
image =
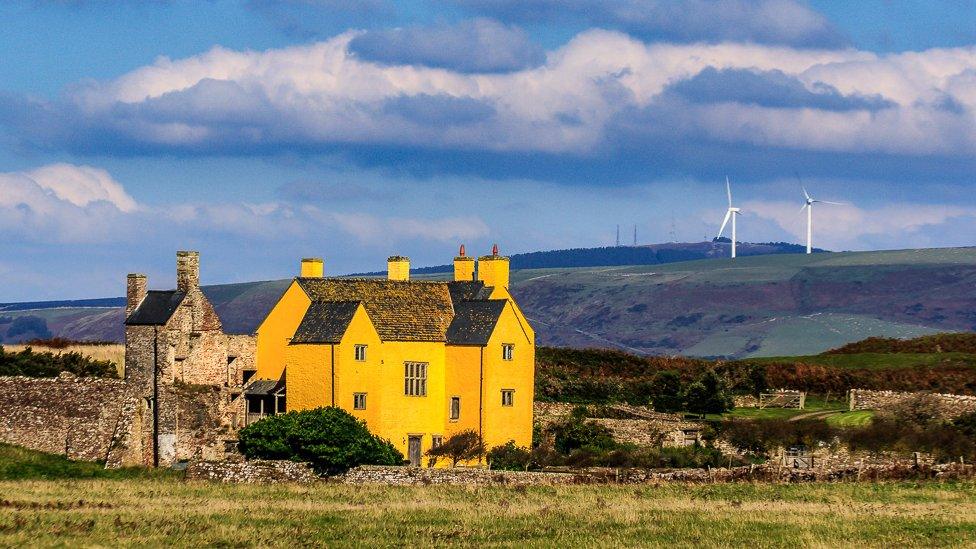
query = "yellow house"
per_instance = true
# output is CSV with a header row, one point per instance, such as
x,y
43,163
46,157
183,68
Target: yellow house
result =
x,y
417,360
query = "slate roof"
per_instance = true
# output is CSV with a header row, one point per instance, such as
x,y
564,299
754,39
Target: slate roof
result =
x,y
468,291
264,386
400,310
474,321
325,322
156,309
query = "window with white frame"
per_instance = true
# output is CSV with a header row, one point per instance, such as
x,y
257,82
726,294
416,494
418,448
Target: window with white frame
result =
x,y
508,350
455,408
415,378
359,401
508,397
360,352
436,440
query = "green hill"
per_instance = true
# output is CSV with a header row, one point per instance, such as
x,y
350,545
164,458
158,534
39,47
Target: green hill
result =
x,y
766,305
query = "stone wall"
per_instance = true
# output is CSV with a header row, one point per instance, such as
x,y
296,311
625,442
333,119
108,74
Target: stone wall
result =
x,y
412,476
96,419
638,425
68,415
418,476
252,472
949,406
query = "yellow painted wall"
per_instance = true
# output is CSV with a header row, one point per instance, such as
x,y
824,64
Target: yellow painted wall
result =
x,y
308,382
503,423
463,380
353,376
493,270
398,268
403,415
499,292
463,269
277,329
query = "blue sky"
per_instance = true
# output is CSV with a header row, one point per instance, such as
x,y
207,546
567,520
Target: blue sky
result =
x,y
259,132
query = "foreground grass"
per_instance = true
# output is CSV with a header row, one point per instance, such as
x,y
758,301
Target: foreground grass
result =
x,y
164,511
18,463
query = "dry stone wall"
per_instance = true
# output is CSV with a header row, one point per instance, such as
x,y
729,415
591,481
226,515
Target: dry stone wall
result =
x,y
68,415
252,472
950,406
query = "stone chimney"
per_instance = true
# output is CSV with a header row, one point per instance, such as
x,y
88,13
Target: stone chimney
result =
x,y
463,266
135,292
398,267
493,269
187,270
312,267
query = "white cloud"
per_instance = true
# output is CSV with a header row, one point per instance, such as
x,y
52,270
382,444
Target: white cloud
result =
x,y
320,95
67,204
849,226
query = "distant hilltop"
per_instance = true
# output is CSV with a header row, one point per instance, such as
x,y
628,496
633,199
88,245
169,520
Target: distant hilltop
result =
x,y
649,254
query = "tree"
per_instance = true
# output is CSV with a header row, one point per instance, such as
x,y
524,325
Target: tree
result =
x,y
576,433
463,446
708,395
667,391
509,457
757,378
330,439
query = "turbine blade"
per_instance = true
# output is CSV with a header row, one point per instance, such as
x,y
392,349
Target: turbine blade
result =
x,y
834,203
805,193
728,215
803,207
728,190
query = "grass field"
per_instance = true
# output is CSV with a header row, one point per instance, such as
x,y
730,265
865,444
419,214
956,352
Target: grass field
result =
x,y
880,361
856,418
154,512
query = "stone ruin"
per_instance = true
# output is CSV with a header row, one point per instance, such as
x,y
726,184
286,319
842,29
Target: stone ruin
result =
x,y
180,398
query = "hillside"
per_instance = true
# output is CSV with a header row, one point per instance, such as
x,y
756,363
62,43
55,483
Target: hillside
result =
x,y
649,254
768,305
603,375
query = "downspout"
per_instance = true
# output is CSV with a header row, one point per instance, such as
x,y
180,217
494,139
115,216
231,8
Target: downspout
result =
x,y
155,396
333,373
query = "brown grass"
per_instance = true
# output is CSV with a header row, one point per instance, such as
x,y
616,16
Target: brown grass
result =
x,y
156,512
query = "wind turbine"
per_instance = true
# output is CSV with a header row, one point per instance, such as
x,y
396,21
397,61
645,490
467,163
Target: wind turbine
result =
x,y
729,214
809,207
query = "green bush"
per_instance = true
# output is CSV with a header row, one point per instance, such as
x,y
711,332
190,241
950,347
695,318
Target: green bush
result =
x,y
330,439
31,364
577,433
509,457
763,436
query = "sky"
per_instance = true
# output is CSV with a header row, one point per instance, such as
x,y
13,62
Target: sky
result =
x,y
259,132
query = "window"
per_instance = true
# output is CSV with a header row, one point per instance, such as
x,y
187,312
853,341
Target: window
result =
x,y
508,397
359,401
415,378
455,408
247,375
507,351
436,440
360,353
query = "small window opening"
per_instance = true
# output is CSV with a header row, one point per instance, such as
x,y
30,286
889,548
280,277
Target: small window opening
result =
x,y
359,401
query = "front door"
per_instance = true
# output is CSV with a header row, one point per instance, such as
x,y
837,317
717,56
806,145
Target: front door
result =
x,y
413,450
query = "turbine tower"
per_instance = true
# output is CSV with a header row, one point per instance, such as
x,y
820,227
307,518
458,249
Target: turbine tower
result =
x,y
809,207
729,214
